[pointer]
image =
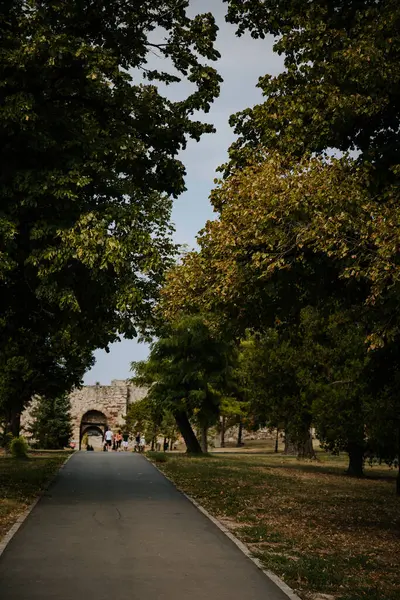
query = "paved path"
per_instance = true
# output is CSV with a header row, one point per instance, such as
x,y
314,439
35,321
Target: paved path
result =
x,y
113,527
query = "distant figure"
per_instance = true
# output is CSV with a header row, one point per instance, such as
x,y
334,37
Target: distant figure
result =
x,y
125,441
118,440
137,442
108,438
142,444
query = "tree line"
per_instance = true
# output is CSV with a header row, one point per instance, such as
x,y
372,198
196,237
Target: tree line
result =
x,y
299,271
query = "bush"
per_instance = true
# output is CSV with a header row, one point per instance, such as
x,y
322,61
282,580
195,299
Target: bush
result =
x,y
160,457
19,447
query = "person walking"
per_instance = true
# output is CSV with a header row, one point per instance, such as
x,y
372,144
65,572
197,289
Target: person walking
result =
x,y
125,441
118,440
142,444
108,438
137,442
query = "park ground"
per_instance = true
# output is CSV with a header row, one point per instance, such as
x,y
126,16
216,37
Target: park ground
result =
x,y
21,481
326,535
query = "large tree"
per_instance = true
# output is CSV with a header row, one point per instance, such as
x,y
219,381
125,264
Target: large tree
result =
x,y
89,159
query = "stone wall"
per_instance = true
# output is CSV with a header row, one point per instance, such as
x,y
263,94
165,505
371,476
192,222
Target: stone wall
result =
x,y
110,400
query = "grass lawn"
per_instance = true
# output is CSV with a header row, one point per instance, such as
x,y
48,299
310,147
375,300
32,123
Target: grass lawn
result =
x,y
320,531
21,481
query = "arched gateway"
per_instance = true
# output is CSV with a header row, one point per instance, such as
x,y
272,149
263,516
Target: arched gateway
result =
x,y
98,406
94,424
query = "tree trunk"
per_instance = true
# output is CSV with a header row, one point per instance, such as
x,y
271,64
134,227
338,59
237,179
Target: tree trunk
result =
x,y
356,460
305,447
204,438
184,426
290,445
302,448
398,463
153,441
223,432
14,422
240,433
276,441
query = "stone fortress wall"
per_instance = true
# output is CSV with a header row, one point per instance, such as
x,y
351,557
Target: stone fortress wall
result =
x,y
109,401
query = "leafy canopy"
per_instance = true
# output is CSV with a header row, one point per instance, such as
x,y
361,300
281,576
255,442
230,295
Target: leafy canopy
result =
x,y
90,162
339,88
187,367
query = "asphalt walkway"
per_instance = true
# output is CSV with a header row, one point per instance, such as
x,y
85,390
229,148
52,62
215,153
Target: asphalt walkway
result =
x,y
112,526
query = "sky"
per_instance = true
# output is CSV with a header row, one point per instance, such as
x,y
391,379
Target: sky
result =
x,y
243,61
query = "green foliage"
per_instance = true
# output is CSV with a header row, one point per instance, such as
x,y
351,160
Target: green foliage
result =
x,y
339,86
90,163
187,368
145,417
183,366
51,427
19,447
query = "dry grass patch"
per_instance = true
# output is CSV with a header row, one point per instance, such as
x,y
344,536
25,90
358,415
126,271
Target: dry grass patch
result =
x,y
322,532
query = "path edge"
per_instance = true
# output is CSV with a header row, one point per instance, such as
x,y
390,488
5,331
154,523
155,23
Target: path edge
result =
x,y
14,528
238,543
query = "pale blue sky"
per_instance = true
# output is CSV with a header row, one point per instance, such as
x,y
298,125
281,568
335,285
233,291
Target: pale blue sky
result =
x,y
243,61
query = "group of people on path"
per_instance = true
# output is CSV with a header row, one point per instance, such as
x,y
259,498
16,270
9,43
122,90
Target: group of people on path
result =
x,y
120,441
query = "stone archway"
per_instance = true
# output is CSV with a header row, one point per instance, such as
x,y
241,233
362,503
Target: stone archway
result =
x,y
92,421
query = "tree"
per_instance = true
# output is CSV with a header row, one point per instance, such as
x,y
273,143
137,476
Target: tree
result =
x,y
186,371
90,163
338,358
383,417
273,366
233,411
51,427
339,88
152,419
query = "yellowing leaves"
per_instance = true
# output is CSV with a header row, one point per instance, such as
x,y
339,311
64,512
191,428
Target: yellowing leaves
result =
x,y
273,217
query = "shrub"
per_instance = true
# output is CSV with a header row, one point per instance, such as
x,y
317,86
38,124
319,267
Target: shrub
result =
x,y
160,457
19,447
